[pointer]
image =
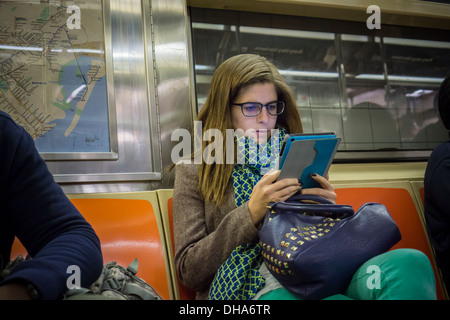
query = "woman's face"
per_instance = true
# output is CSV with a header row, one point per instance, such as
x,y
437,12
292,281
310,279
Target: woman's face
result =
x,y
256,127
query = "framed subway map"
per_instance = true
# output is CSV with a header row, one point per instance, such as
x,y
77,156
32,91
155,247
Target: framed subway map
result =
x,y
53,76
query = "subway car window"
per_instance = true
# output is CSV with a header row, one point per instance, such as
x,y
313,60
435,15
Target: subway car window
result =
x,y
375,90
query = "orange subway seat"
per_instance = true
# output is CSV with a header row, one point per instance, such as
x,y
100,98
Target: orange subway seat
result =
x,y
401,206
127,229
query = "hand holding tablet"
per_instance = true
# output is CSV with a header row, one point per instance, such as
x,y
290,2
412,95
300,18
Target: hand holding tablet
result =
x,y
303,154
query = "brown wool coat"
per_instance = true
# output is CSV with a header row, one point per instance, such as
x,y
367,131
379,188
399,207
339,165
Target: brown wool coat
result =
x,y
205,234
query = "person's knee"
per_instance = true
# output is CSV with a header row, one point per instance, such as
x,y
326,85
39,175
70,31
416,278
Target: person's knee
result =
x,y
412,270
411,259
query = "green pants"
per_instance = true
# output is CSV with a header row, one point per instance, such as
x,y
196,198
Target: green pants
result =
x,y
402,274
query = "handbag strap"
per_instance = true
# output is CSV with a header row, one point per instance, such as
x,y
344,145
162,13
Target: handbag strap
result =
x,y
321,207
309,197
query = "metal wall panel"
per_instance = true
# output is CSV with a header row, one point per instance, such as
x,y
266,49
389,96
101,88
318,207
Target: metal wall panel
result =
x,y
149,86
127,82
167,43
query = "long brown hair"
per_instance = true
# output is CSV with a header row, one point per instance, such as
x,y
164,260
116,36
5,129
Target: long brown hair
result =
x,y
229,80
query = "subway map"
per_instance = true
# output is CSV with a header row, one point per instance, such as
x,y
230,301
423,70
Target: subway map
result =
x,y
53,73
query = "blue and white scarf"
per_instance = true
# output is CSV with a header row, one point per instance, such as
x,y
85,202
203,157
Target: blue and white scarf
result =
x,y
238,278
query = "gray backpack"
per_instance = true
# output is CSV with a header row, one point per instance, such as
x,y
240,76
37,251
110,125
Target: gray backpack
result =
x,y
116,283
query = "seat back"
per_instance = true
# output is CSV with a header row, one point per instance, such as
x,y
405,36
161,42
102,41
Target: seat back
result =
x,y
129,226
401,203
140,225
165,202
419,192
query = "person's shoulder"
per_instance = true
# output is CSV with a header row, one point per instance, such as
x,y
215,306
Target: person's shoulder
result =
x,y
9,128
7,122
186,166
441,151
439,160
5,119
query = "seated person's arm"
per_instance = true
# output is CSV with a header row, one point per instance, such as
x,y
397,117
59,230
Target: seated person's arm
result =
x,y
37,211
199,248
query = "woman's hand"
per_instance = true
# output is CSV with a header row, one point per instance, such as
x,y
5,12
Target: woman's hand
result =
x,y
267,190
326,189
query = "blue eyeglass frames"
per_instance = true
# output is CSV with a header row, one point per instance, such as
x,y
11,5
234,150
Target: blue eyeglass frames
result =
x,y
253,109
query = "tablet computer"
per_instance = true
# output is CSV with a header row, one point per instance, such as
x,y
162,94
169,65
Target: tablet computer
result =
x,y
290,138
303,154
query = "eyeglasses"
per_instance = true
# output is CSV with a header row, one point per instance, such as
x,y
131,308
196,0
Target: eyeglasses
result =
x,y
253,109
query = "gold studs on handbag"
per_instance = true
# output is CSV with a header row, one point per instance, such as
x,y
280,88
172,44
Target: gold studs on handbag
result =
x,y
278,258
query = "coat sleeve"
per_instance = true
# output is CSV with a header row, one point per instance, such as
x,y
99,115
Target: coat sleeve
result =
x,y
437,212
199,248
52,230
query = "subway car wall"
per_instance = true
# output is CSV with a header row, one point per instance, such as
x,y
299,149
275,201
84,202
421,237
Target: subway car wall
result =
x,y
100,85
376,90
103,85
102,89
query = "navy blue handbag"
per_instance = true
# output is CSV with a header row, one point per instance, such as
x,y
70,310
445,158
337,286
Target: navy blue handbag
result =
x,y
313,247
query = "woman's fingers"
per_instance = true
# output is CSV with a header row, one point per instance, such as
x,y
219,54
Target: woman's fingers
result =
x,y
269,190
270,176
284,193
324,183
326,189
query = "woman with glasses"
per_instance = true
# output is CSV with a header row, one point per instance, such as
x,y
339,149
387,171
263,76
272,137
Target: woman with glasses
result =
x,y
219,207
211,217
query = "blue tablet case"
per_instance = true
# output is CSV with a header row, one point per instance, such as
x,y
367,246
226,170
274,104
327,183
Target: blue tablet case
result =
x,y
289,139
305,156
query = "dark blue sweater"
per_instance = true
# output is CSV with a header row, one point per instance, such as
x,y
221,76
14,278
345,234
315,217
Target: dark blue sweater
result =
x,y
437,206
34,208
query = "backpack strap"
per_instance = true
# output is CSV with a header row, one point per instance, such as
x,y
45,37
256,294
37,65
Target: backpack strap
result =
x,y
133,289
133,267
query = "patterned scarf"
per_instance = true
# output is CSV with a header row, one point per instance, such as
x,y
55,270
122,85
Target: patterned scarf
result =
x,y
239,278
254,161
